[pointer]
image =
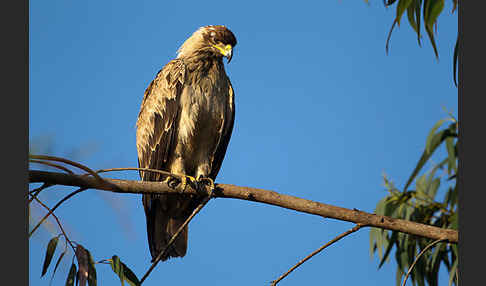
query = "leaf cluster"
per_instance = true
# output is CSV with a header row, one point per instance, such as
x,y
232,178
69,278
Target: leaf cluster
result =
x,y
85,270
422,13
422,205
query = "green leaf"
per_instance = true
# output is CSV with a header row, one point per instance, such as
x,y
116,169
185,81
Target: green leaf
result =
x,y
91,270
380,242
454,220
71,275
420,185
433,187
380,207
389,36
398,276
432,134
390,208
117,267
51,248
452,273
393,240
418,4
57,264
130,277
433,141
455,60
418,272
82,257
373,234
412,19
432,10
401,7
409,212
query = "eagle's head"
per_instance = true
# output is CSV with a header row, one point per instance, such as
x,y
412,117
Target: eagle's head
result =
x,y
216,41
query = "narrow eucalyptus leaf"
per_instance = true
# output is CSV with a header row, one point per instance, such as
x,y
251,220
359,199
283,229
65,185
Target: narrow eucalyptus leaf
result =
x,y
71,275
418,4
401,7
433,187
455,59
92,280
398,277
117,267
452,272
451,155
411,17
51,248
433,11
372,240
57,264
389,36
83,261
393,240
430,33
432,134
130,277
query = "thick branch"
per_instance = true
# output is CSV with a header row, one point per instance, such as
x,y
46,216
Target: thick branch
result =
x,y
251,194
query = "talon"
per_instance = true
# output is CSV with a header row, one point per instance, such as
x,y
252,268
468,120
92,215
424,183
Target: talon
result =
x,y
208,181
179,183
172,182
184,181
183,184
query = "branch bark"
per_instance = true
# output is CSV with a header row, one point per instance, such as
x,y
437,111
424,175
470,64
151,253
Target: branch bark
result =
x,y
250,194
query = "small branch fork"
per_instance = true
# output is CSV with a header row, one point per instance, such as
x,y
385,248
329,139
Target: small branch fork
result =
x,y
334,240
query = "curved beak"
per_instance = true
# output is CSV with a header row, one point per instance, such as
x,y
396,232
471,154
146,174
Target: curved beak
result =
x,y
226,51
229,55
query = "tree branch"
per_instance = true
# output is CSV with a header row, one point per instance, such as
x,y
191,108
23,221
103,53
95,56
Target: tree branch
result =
x,y
251,194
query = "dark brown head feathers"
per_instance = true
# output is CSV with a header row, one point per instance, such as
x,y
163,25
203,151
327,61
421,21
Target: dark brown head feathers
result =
x,y
219,34
205,37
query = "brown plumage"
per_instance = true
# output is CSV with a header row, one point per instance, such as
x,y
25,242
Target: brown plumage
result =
x,y
184,127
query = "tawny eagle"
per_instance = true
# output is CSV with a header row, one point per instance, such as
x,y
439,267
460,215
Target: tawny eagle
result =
x,y
184,127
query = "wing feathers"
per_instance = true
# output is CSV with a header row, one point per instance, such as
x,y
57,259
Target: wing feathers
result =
x,y
157,117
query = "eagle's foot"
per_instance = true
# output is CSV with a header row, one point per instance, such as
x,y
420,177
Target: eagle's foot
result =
x,y
180,183
208,182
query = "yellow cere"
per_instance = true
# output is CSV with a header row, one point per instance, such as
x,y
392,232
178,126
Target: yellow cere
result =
x,y
224,50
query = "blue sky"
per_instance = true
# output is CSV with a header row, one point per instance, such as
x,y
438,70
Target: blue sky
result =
x,y
321,113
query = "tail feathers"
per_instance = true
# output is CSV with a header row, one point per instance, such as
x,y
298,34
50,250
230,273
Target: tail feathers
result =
x,y
161,226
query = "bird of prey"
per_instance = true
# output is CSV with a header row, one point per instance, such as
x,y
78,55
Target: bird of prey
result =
x,y
184,127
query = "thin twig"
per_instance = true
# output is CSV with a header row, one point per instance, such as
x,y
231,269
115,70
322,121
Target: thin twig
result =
x,y
174,237
52,165
354,229
418,256
58,222
36,192
55,207
140,169
80,166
